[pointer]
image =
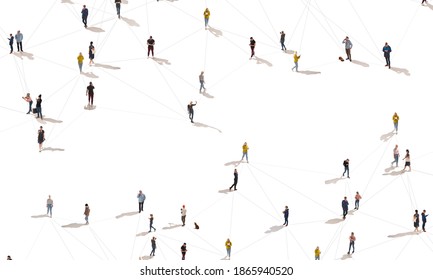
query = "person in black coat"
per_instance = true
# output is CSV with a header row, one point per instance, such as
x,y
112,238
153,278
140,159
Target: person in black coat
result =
x,y
41,138
11,42
84,15
345,206
235,181
39,106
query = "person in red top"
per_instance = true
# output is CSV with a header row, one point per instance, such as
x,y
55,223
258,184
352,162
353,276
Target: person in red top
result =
x,y
352,239
357,198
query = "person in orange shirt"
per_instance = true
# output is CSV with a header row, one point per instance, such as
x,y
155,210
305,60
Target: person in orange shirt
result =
x,y
357,198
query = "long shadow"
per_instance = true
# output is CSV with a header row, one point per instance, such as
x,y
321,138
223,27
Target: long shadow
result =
x,y
263,61
274,229
385,137
289,52
90,108
89,75
402,234
346,257
161,61
107,66
225,191
95,29
235,163
73,225
389,169
395,173
430,6
130,22
41,121
334,221
67,2
54,149
333,181
144,258
308,72
215,32
360,63
401,70
144,233
39,216
206,94
172,226
52,120
205,125
126,214
24,54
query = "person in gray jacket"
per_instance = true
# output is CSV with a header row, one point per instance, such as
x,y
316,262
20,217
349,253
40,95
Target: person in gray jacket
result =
x,y
348,46
141,197
19,39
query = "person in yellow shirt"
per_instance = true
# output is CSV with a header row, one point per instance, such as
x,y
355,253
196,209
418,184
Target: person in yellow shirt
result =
x,y
245,151
395,119
296,57
228,247
206,17
317,254
80,59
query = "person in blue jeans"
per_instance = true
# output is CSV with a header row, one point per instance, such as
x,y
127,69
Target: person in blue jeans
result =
x,y
387,52
118,2
151,223
424,219
141,197
396,154
352,240
28,99
50,206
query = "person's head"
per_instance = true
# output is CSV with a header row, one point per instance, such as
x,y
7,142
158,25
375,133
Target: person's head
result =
x,y
40,95
416,211
287,207
236,170
347,37
18,31
10,35
396,146
251,38
228,239
202,72
345,197
150,37
91,42
84,6
352,233
183,206
28,94
423,211
90,83
386,43
357,192
245,143
49,196
40,127
139,191
407,151
151,215
87,205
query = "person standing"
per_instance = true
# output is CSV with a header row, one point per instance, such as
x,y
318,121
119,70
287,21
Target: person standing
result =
x,y
395,119
345,206
346,168
352,240
153,242
201,80
50,206
286,215
396,154
183,215
141,198
228,247
11,42
80,59
317,254
150,45
41,137
151,223
282,40
407,163
416,221
39,106
84,15
206,17
90,93
183,250
86,213
118,2
28,99
348,46
252,46
235,180
296,58
358,197
387,52
191,110
91,53
245,151
424,219
19,40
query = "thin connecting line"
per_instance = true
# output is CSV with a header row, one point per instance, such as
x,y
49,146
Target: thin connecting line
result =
x,y
192,245
257,206
139,113
293,168
410,193
63,241
207,242
181,40
407,28
42,20
299,244
327,22
404,247
20,75
305,24
297,23
36,239
205,51
267,17
231,215
101,243
135,237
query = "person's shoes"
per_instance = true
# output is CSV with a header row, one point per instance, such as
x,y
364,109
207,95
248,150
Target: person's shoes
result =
x,y
348,253
347,58
236,189
386,65
348,177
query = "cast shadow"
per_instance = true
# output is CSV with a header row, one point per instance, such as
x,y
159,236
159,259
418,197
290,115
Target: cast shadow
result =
x,y
289,52
346,257
89,75
172,226
215,32
39,216
395,173
235,163
387,136
403,234
274,229
308,72
263,61
206,94
161,61
360,63
205,125
24,54
430,6
41,121
334,221
225,191
130,22
389,169
67,2
73,225
400,70
89,107
333,181
144,258
225,259
107,66
144,233
350,212
95,29
54,149
52,120
126,214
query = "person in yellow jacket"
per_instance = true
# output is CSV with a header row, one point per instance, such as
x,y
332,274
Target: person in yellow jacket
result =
x,y
395,119
296,57
80,59
245,151
317,254
228,247
206,17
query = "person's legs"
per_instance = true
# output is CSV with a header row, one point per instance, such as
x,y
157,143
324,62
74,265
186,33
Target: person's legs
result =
x,y
30,107
296,66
